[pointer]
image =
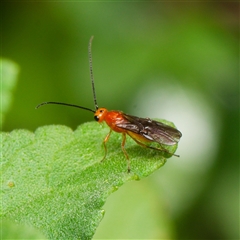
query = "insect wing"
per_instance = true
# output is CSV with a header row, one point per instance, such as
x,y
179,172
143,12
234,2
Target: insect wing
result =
x,y
151,130
163,133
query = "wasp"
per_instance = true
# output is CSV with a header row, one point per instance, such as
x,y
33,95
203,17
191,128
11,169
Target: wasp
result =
x,y
141,130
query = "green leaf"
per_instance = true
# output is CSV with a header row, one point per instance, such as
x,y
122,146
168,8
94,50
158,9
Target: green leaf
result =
x,y
12,230
9,71
54,179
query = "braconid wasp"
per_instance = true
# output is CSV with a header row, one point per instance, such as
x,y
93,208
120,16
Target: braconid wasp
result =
x,y
141,130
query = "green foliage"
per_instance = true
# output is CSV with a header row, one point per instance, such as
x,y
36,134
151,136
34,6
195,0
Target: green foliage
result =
x,y
150,58
9,71
54,179
12,230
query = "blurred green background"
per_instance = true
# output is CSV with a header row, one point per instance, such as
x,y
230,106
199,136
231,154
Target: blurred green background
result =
x,y
177,61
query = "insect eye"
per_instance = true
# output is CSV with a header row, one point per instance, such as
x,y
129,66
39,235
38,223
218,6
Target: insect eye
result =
x,y
96,118
101,110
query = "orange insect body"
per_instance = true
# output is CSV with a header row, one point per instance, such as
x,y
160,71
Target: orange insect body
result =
x,y
115,118
112,118
141,130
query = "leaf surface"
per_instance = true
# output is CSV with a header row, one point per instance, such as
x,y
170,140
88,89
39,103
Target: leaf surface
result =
x,y
54,179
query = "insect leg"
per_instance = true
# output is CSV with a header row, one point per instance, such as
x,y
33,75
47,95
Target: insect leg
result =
x,y
124,151
159,149
104,144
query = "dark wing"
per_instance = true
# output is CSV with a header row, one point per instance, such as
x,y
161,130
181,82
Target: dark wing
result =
x,y
151,130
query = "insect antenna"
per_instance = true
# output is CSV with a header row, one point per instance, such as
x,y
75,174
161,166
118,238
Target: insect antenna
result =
x,y
65,104
93,87
91,71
